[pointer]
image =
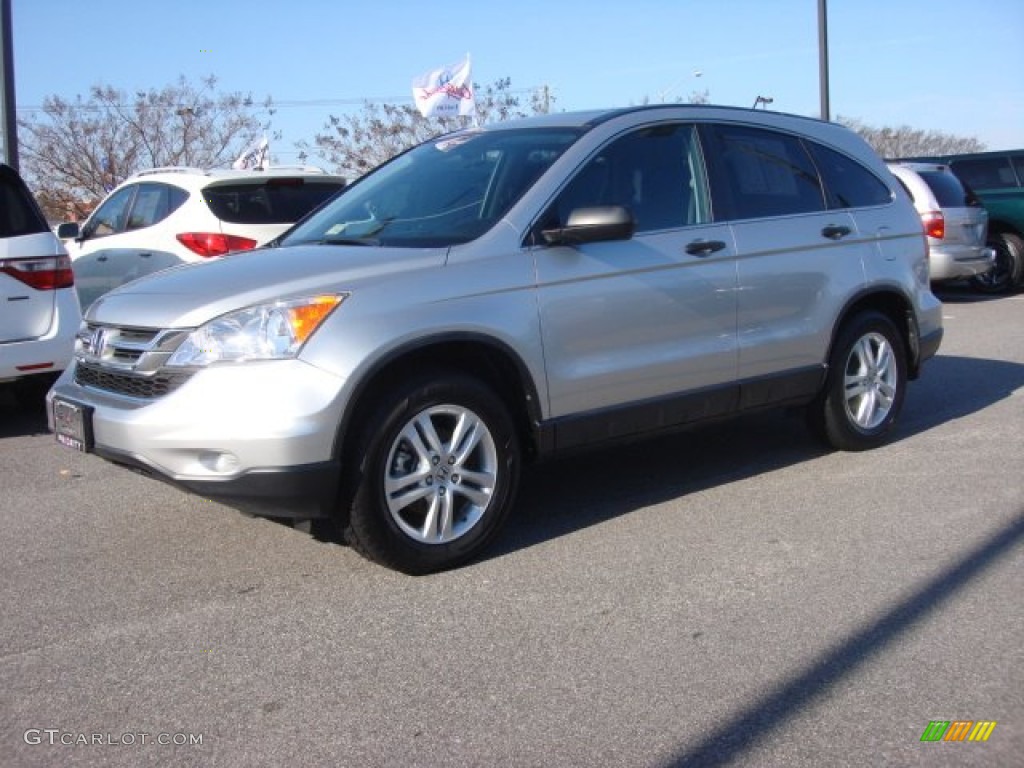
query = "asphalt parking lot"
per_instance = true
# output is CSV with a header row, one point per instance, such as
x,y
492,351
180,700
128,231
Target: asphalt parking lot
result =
x,y
729,596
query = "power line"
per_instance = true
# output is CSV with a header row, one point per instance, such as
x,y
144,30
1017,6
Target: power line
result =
x,y
287,103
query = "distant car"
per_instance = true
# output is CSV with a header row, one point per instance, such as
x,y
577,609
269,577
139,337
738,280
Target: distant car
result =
x,y
169,216
39,312
998,179
954,220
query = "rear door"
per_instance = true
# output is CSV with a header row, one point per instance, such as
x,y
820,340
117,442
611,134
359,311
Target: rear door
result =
x,y
26,249
797,259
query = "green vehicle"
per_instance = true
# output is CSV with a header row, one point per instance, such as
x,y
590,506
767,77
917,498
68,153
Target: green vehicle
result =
x,y
998,179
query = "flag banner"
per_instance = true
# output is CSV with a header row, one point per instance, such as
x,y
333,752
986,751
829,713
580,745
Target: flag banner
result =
x,y
445,92
256,155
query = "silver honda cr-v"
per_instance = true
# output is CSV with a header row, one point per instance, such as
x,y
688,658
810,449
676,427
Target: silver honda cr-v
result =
x,y
511,292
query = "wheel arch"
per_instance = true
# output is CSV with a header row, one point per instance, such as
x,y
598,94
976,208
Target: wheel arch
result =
x,y
893,304
1003,227
483,357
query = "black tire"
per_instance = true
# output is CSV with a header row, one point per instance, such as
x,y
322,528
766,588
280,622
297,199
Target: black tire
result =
x,y
1008,271
865,386
439,468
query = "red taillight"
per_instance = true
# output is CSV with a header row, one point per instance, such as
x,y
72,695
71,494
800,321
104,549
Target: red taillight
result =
x,y
934,224
209,244
46,274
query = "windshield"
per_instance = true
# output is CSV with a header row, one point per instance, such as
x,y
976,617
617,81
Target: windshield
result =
x,y
446,191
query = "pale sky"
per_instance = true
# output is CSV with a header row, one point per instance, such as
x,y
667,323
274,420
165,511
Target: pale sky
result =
x,y
931,64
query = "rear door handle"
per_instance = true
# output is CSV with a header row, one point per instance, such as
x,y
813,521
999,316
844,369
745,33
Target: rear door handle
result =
x,y
834,232
704,247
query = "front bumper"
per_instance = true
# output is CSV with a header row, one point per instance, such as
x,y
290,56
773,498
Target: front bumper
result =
x,y
262,433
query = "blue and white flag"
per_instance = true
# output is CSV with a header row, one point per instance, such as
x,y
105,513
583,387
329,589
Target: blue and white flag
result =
x,y
255,156
445,92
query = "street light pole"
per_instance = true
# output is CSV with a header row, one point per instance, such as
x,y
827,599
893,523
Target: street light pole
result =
x,y
823,58
8,118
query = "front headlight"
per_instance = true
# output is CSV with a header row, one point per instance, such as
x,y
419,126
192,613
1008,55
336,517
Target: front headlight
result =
x,y
265,332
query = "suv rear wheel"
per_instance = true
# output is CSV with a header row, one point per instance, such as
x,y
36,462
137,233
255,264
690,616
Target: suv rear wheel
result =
x,y
866,383
440,468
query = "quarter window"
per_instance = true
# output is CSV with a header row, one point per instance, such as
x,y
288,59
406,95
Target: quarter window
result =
x,y
765,173
848,184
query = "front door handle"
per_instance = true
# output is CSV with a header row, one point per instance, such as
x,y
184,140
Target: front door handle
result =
x,y
704,247
835,232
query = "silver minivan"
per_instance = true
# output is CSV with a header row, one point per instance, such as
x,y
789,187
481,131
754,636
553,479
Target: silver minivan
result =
x,y
512,292
954,220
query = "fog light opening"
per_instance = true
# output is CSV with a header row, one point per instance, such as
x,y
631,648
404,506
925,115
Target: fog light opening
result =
x,y
221,462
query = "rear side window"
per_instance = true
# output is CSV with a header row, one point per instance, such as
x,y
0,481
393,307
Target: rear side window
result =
x,y
153,203
18,214
848,184
948,190
986,172
765,173
276,201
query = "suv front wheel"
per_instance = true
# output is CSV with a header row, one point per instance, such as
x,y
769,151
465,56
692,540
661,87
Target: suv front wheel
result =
x,y
441,462
866,382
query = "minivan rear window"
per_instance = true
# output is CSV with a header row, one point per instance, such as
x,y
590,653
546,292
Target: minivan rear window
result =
x,y
275,201
17,214
948,191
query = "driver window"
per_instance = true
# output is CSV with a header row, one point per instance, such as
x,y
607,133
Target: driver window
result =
x,y
109,218
653,172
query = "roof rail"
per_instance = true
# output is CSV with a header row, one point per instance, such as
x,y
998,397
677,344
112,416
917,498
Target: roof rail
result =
x,y
228,171
169,169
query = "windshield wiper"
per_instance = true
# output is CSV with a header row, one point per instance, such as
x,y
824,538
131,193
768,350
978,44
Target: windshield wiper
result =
x,y
347,241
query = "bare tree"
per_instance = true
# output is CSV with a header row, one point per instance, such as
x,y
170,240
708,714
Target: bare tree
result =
x,y
905,141
74,152
355,144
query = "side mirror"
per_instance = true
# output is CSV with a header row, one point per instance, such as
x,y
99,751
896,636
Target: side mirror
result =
x,y
593,225
68,230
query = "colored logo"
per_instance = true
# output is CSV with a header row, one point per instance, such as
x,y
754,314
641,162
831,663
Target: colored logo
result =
x,y
958,730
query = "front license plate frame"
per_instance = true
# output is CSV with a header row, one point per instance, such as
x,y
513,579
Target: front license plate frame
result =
x,y
72,424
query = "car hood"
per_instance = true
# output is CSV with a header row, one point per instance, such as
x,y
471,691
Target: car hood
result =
x,y
192,294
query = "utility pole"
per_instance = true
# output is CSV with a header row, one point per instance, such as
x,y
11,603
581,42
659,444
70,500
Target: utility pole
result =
x,y
8,118
823,58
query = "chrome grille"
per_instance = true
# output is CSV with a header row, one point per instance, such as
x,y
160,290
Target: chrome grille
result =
x,y
129,361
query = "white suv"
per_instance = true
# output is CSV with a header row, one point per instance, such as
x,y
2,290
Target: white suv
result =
x,y
168,216
39,314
